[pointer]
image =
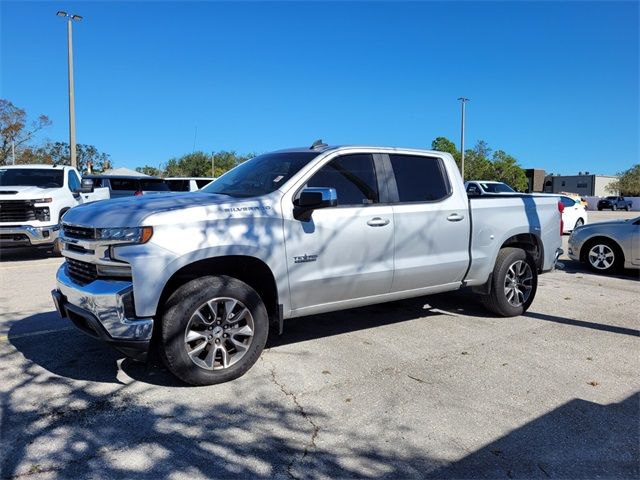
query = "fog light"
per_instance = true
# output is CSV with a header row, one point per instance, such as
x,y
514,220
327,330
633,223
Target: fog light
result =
x,y
45,233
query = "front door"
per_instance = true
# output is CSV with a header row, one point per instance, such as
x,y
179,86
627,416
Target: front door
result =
x,y
344,252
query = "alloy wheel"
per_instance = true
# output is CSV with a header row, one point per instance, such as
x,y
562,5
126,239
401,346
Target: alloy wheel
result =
x,y
219,333
518,283
601,257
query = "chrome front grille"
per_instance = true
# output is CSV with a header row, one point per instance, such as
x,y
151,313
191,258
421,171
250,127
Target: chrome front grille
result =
x,y
17,211
82,273
80,233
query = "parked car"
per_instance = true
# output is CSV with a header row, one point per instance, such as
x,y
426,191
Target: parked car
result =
x,y
574,214
614,203
190,184
607,246
484,187
128,186
33,199
293,233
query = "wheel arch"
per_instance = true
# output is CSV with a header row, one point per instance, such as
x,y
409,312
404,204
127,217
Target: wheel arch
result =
x,y
530,243
250,270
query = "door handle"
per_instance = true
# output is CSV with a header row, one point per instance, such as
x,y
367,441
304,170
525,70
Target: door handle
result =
x,y
378,222
455,217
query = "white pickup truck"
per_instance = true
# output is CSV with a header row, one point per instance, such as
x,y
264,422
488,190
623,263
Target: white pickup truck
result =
x,y
33,199
199,276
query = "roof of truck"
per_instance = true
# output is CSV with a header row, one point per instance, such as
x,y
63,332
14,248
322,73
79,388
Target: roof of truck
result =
x,y
40,166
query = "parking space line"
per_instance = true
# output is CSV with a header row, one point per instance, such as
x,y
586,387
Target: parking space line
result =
x,y
5,338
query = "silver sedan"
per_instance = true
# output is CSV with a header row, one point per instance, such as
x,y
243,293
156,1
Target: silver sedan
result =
x,y
607,246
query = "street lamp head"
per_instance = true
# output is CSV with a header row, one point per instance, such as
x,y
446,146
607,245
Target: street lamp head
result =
x,y
464,99
61,13
76,17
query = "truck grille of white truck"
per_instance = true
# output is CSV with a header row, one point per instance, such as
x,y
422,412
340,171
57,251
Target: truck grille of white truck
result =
x,y
17,211
82,273
82,233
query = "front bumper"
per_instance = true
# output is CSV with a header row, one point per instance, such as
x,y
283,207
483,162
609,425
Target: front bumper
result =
x,y
104,310
27,235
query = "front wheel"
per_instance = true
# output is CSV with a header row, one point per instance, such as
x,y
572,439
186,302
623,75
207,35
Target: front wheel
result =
x,y
213,330
603,256
513,284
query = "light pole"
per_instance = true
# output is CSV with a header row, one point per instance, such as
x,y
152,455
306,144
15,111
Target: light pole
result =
x,y
72,110
464,101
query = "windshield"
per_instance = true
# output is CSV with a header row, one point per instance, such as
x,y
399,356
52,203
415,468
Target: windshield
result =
x,y
497,188
31,177
260,175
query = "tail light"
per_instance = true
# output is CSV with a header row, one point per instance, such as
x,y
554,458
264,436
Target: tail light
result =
x,y
561,210
138,193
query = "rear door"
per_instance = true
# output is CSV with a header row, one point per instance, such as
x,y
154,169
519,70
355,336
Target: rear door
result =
x,y
344,252
431,224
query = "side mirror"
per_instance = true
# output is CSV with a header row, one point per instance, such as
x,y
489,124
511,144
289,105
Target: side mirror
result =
x,y
86,186
314,198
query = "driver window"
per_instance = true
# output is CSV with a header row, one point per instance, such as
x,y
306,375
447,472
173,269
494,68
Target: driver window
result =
x,y
352,176
74,181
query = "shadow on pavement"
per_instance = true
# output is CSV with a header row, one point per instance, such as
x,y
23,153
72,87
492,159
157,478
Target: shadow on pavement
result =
x,y
22,254
125,435
579,439
573,267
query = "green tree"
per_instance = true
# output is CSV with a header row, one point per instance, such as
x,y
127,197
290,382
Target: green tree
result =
x,y
14,131
149,170
507,170
628,182
198,164
482,163
58,153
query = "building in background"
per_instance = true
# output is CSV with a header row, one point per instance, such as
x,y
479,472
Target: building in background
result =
x,y
535,178
584,184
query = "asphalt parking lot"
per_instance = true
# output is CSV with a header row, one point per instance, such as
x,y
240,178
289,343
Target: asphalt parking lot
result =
x,y
432,387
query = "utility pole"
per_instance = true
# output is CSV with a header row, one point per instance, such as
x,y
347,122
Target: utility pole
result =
x,y
13,151
72,110
213,165
464,101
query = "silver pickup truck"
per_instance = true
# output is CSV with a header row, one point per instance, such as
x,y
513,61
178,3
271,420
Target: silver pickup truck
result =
x,y
202,276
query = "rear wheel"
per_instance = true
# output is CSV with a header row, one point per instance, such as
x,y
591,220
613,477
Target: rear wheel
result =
x,y
213,330
513,284
603,256
627,208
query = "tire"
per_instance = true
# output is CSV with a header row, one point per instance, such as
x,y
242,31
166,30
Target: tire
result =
x,y
614,208
220,349
603,256
579,223
627,208
506,299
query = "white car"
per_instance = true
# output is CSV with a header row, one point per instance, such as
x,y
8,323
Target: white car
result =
x,y
33,199
483,187
574,213
187,184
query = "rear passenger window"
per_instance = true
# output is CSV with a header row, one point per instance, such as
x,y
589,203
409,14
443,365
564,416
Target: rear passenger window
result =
x,y
567,202
419,179
124,184
353,177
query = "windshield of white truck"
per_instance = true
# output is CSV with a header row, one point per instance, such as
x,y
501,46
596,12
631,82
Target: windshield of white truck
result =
x,y
260,175
497,188
31,177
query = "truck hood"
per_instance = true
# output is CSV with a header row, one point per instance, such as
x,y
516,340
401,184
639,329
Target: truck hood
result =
x,y
131,211
26,193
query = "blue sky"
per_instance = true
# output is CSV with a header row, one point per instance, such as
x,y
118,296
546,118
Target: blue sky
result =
x,y
554,84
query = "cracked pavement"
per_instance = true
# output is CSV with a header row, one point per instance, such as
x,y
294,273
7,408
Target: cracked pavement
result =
x,y
432,387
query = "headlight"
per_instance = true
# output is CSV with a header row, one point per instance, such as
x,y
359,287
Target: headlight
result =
x,y
125,234
43,200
